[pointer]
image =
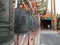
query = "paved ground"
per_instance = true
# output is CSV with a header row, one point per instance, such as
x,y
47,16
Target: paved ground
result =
x,y
50,38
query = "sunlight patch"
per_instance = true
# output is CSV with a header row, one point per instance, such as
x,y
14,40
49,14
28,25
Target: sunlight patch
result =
x,y
42,44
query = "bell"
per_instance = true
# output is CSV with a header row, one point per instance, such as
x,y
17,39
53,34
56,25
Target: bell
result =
x,y
6,22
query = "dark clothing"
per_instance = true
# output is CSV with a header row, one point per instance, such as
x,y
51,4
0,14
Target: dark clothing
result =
x,y
24,22
19,20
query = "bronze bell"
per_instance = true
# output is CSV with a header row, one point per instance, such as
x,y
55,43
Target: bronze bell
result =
x,y
6,22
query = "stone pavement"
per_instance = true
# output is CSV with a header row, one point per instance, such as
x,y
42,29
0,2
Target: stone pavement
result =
x,y
49,31
50,38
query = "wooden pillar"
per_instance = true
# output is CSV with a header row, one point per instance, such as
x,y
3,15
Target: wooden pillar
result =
x,y
51,16
54,18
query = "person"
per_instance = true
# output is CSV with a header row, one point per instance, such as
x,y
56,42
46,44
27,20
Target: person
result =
x,y
18,11
48,26
25,7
